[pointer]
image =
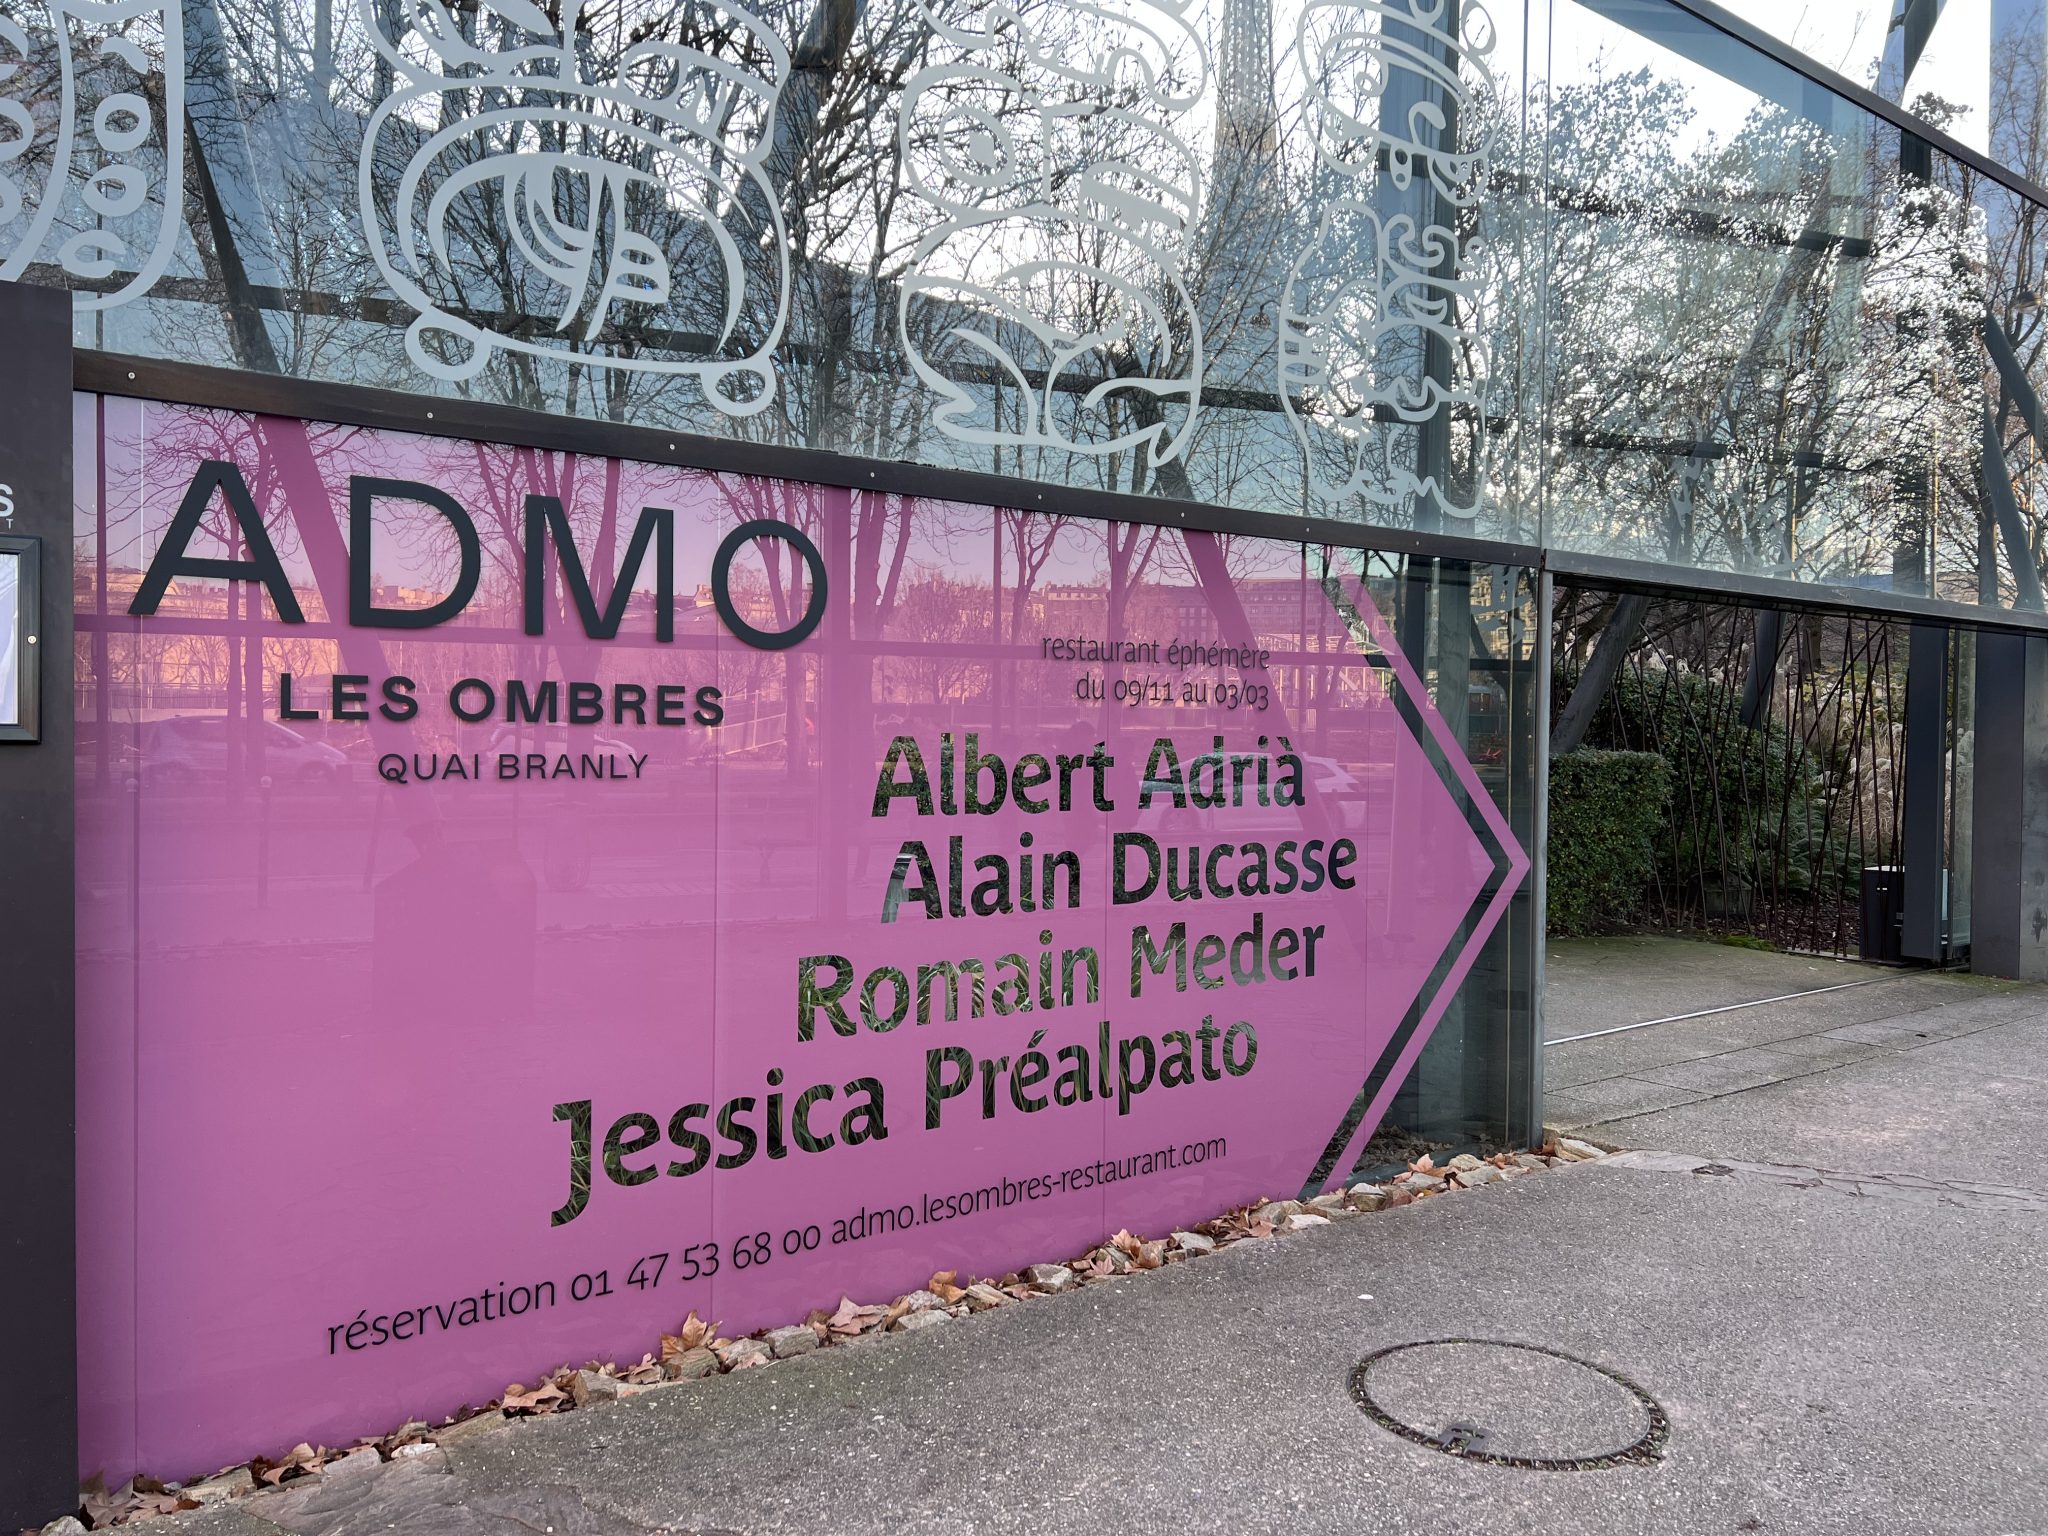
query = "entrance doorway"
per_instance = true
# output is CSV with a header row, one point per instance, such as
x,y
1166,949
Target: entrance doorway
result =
x,y
1796,779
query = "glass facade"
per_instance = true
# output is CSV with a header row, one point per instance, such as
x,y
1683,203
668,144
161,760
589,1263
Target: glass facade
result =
x,y
1597,274
1621,280
1626,291
485,815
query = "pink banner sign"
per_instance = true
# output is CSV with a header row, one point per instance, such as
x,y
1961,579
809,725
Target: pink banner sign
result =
x,y
525,897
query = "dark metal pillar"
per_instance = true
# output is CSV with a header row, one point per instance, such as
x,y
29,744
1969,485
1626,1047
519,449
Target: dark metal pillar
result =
x,y
1924,824
1529,916
38,1266
2009,874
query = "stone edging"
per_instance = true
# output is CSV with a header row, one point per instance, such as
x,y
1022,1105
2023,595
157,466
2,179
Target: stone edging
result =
x,y
697,1351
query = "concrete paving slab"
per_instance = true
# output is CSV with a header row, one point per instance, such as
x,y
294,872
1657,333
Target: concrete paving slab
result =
x,y
1825,1048
1889,1011
1753,1022
1888,1032
1904,1015
1782,1328
1733,1071
1598,983
1612,1098
1967,1107
1588,1061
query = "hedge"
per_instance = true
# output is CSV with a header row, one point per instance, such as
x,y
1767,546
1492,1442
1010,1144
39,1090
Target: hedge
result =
x,y
1747,804
1606,811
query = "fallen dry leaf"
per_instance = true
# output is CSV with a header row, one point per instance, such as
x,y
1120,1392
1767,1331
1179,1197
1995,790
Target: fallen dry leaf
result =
x,y
647,1372
101,1505
692,1334
851,1319
545,1398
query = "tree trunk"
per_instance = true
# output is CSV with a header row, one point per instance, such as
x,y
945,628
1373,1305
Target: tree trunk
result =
x,y
1762,675
1602,668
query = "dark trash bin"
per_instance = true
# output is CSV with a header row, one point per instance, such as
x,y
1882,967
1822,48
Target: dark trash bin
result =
x,y
1884,912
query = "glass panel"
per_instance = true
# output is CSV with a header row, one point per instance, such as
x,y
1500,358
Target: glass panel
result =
x,y
1933,57
1769,354
1847,36
1584,271
1195,249
493,834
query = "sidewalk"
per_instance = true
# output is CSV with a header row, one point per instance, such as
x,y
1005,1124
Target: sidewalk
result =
x,y
1617,1083
1834,1283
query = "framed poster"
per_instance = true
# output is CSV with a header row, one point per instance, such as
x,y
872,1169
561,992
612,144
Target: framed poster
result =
x,y
20,621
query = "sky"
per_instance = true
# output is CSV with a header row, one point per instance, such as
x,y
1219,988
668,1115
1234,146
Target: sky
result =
x,y
1849,35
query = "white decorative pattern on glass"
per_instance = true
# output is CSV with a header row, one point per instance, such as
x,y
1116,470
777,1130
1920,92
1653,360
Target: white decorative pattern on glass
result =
x,y
1380,332
1048,305
95,187
621,204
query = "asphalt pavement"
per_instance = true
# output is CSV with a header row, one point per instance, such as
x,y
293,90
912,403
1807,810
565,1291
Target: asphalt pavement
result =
x,y
1814,1302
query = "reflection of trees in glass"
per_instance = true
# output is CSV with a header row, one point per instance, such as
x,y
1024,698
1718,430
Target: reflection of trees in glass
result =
x,y
2017,270
941,617
1764,350
1747,339
92,95
1049,146
1383,356
1756,343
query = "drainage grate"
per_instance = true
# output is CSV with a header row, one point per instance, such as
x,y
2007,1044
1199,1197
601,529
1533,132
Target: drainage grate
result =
x,y
1510,1405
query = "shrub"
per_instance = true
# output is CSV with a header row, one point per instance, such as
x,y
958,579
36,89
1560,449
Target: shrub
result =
x,y
1746,805
1606,812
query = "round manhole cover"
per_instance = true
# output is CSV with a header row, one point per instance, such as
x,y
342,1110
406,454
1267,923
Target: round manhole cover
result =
x,y
1513,1405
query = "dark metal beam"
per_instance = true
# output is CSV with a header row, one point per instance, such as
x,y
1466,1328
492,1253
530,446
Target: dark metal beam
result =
x,y
1924,824
1998,935
38,1245
399,411
1775,591
1762,42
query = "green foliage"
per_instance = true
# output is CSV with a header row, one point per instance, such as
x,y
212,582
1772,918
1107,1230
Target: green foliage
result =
x,y
1746,941
1746,803
1606,817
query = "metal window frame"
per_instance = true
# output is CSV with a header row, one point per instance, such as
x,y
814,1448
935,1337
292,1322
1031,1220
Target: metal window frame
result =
x,y
393,410
1754,37
27,553
1617,573
477,421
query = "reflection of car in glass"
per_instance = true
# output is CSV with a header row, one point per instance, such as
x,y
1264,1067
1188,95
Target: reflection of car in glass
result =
x,y
1338,791
552,740
189,748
